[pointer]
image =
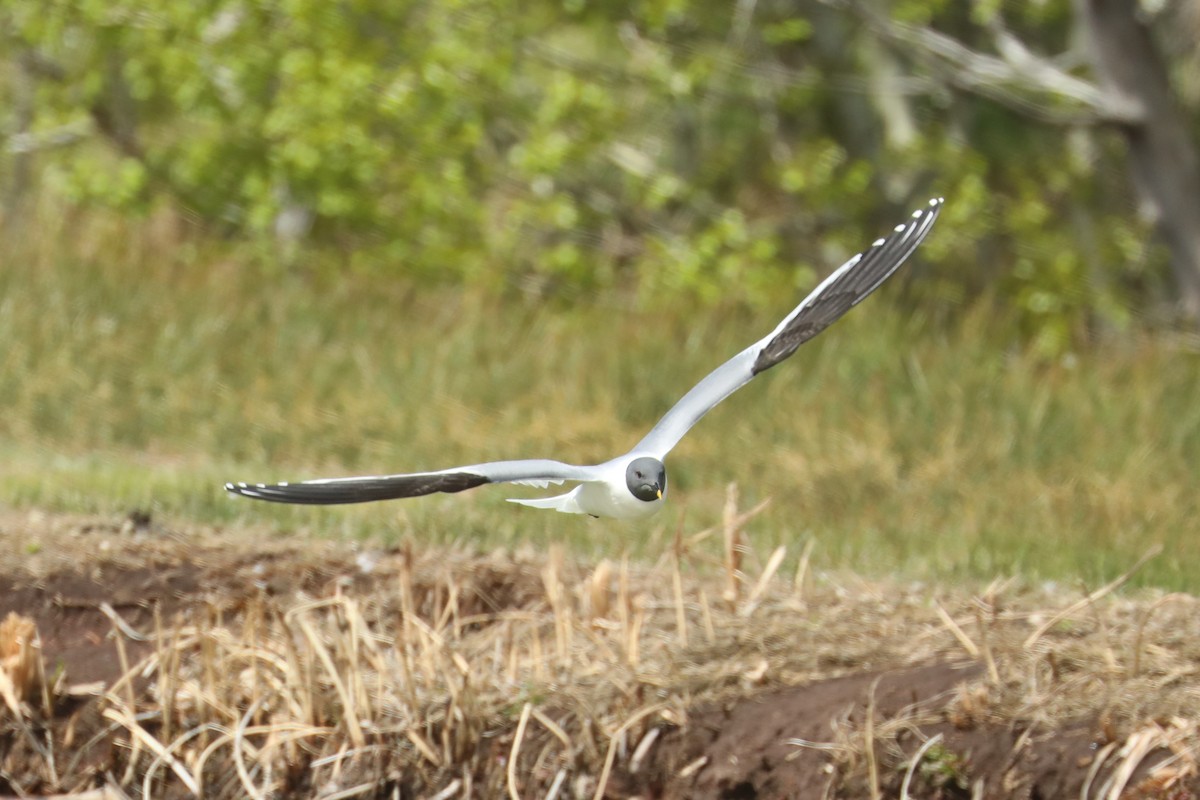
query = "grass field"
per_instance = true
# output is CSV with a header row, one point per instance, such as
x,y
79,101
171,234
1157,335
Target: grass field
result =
x,y
141,370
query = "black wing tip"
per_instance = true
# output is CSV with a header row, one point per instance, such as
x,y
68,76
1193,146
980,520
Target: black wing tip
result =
x,y
845,289
275,492
357,490
923,216
243,489
931,209
919,221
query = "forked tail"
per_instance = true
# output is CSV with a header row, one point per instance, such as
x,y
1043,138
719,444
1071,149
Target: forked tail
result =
x,y
566,503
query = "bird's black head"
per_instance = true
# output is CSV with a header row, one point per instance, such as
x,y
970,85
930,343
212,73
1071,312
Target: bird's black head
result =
x,y
646,478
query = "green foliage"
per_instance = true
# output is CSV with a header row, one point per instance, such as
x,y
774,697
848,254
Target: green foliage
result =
x,y
942,768
668,146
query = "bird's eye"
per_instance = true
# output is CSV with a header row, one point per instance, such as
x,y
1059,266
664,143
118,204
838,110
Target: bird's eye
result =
x,y
638,474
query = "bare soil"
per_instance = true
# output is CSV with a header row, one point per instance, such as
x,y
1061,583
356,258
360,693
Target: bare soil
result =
x,y
742,716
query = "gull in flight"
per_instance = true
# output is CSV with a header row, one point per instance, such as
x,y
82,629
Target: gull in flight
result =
x,y
633,485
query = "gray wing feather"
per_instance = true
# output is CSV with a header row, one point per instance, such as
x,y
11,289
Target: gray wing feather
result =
x,y
338,491
845,288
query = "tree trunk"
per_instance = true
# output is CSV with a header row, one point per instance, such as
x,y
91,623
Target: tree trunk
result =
x,y
20,168
1162,153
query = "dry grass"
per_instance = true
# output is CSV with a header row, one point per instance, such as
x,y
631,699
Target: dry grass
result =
x,y
21,674
1049,661
440,673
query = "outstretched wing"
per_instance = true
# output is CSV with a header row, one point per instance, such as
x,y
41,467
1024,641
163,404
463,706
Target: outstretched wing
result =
x,y
837,294
336,491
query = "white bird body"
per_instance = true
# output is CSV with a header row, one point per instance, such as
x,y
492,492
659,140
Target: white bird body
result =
x,y
632,486
604,496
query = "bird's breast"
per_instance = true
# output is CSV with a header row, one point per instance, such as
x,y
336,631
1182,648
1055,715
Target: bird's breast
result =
x,y
606,500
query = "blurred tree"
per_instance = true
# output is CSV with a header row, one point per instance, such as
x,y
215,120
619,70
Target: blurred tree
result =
x,y
1164,156
1132,95
724,150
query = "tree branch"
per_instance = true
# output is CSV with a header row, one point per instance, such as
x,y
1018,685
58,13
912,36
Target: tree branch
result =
x,y
37,141
1012,78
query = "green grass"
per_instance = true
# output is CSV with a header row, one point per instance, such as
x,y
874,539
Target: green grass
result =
x,y
142,371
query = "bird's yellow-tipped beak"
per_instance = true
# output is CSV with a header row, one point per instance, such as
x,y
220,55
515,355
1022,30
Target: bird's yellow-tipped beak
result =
x,y
659,493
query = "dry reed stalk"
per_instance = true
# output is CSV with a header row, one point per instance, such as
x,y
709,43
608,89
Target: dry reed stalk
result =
x,y
626,613
166,677
509,645
103,793
633,635
350,712
423,747
639,752
284,731
296,673
240,745
764,580
536,656
254,631
618,734
956,630
124,716
120,624
915,763
731,532
798,583
130,701
428,652
208,711
353,791
599,592
607,655
353,644
20,660
160,759
1145,620
452,609
223,735
1110,657
339,759
1093,597
560,780
710,630
374,656
451,790
1130,755
408,611
554,729
12,699
435,649
515,752
739,521
869,746
555,596
681,628
985,647
403,653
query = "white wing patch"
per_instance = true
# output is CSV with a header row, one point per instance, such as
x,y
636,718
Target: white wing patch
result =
x,y
539,483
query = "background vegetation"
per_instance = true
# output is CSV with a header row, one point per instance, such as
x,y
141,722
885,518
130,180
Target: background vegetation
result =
x,y
280,238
